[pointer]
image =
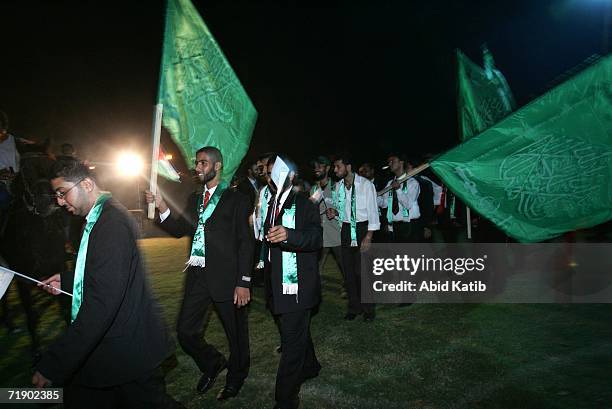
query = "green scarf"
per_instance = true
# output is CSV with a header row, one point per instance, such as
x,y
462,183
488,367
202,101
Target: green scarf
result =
x,y
332,188
341,200
198,247
390,204
263,210
79,270
290,274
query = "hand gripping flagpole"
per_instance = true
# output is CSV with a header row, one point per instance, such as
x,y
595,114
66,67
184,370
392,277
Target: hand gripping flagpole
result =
x,y
11,272
410,174
157,122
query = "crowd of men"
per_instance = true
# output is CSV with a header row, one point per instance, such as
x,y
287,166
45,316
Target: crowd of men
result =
x,y
259,230
354,214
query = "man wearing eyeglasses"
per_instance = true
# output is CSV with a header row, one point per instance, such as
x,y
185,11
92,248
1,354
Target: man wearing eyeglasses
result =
x,y
111,353
218,272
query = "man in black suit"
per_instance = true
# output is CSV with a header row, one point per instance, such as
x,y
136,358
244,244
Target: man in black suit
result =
x,y
111,352
218,272
293,287
249,185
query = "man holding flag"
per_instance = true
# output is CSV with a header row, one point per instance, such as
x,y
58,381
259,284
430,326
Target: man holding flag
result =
x,y
218,272
204,104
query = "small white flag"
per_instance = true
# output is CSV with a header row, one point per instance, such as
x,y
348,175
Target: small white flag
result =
x,y
5,281
280,171
6,276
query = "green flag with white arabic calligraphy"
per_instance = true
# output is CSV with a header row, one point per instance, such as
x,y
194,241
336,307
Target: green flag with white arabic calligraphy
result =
x,y
204,102
483,95
545,169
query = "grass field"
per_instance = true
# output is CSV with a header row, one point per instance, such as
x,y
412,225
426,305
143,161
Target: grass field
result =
x,y
425,356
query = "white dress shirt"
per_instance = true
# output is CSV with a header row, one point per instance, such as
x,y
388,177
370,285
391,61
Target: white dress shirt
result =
x,y
437,191
406,199
163,216
9,157
365,201
280,205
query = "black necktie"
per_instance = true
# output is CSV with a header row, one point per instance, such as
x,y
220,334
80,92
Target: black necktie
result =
x,y
395,205
269,212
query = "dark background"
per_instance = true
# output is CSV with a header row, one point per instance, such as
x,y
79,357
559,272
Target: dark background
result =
x,y
363,76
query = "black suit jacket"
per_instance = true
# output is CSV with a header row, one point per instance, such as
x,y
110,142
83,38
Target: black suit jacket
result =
x,y
118,335
249,191
229,242
305,240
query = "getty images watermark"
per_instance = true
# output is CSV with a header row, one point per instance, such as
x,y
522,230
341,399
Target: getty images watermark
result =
x,y
493,273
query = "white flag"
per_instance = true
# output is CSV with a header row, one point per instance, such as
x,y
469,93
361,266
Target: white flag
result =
x,y
6,276
5,281
280,171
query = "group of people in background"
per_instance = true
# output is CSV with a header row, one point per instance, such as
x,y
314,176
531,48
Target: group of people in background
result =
x,y
353,214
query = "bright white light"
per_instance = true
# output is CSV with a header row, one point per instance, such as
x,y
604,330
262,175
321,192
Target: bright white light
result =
x,y
129,164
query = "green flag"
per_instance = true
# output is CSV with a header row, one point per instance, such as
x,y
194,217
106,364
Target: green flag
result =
x,y
483,95
204,102
545,169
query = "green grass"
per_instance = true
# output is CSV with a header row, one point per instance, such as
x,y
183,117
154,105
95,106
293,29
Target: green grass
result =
x,y
425,356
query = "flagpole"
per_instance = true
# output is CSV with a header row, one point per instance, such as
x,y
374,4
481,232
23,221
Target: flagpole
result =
x,y
8,271
157,123
410,174
468,215
462,138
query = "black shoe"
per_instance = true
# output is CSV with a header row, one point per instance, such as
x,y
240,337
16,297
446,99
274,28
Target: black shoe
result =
x,y
208,380
368,317
350,316
228,391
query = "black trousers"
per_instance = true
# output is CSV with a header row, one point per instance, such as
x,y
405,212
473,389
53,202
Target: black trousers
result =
x,y
298,359
147,392
337,252
351,262
409,232
401,232
191,324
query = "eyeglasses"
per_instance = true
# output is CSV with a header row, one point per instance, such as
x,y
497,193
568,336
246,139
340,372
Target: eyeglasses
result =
x,y
61,195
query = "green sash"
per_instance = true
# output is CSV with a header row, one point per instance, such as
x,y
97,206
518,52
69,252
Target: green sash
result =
x,y
263,210
290,274
341,200
198,247
332,188
79,270
390,204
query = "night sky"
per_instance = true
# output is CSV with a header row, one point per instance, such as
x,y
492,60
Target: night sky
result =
x,y
364,76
